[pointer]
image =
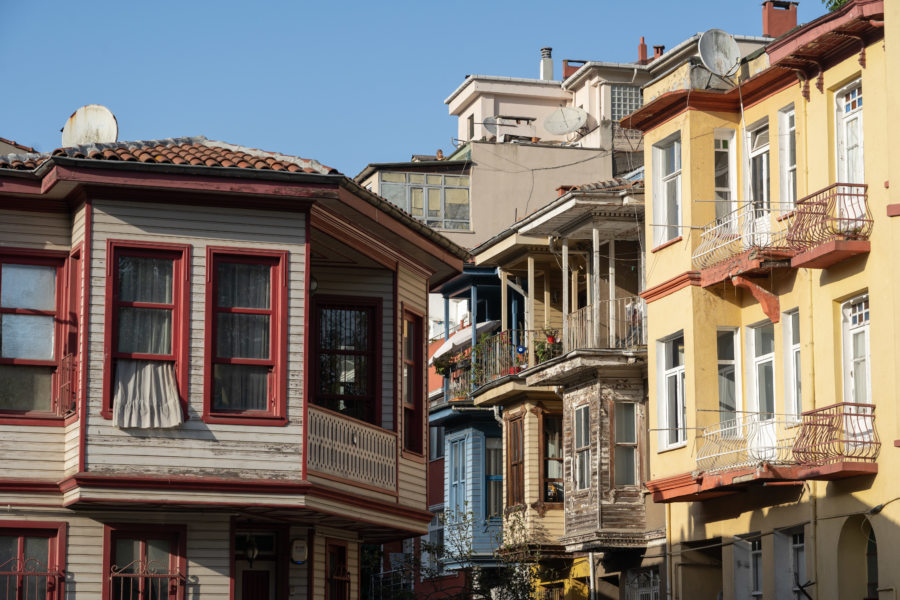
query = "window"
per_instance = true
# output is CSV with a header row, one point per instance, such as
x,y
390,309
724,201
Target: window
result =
x,y
729,388
32,560
672,406
441,201
759,170
147,341
855,326
433,547
626,444
792,368
412,385
787,153
30,333
470,127
756,574
624,100
553,458
762,351
798,565
435,442
667,191
849,134
515,448
583,447
493,474
457,470
337,585
724,173
247,324
145,563
345,346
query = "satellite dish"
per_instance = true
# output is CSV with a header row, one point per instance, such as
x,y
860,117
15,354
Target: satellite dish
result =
x,y
91,124
719,52
565,120
490,123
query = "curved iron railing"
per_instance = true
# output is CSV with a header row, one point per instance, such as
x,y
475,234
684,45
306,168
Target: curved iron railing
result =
x,y
749,227
843,432
837,212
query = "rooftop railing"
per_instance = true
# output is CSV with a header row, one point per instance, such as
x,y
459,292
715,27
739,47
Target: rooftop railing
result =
x,y
752,226
838,212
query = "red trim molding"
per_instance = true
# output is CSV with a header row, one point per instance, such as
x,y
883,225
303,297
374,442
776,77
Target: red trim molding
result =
x,y
178,559
767,300
56,532
893,210
670,286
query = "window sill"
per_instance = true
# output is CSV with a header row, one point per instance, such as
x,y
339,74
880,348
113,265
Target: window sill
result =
x,y
249,419
413,455
36,419
677,446
664,245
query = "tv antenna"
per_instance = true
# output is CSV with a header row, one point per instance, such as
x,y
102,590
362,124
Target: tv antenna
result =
x,y
565,120
91,124
719,53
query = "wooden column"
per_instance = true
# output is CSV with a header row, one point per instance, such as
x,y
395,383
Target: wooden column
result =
x,y
504,314
565,294
529,311
595,286
613,325
546,275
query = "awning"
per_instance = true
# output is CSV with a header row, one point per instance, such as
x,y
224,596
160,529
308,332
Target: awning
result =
x,y
463,339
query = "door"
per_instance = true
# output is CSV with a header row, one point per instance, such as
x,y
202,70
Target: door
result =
x,y
758,221
849,134
255,564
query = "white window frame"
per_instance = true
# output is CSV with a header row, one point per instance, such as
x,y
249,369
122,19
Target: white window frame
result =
x,y
798,563
793,365
723,142
666,226
787,133
665,351
632,444
757,583
736,365
763,203
582,448
855,320
757,360
457,500
841,116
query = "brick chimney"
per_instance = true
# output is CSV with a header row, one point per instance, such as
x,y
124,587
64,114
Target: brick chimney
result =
x,y
658,51
779,17
642,52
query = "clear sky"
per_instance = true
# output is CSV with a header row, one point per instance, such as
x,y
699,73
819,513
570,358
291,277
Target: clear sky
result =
x,y
346,83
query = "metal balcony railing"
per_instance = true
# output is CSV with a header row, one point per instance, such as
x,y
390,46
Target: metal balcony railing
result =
x,y
838,212
67,381
748,440
752,226
843,432
623,324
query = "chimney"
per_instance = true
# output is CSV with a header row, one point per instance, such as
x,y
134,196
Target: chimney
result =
x,y
779,17
642,52
546,64
658,51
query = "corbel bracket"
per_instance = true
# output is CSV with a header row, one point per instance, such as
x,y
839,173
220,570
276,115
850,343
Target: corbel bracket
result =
x,y
767,300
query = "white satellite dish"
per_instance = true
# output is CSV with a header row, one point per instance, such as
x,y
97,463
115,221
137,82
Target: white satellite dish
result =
x,y
565,120
491,123
91,124
719,52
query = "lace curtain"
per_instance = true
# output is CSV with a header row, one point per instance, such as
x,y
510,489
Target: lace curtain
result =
x,y
146,395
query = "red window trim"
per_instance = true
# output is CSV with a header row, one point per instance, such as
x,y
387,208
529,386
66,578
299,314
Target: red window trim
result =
x,y
282,552
57,548
181,287
417,409
312,361
276,415
59,259
113,531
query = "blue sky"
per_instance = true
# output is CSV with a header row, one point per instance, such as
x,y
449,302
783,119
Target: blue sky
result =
x,y
346,83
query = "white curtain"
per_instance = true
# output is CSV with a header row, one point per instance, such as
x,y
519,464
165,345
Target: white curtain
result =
x,y
146,395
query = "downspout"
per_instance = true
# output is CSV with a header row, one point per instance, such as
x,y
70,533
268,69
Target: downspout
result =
x,y
592,590
669,570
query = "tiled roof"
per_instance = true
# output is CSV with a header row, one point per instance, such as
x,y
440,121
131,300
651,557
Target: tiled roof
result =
x,y
616,184
192,151
22,147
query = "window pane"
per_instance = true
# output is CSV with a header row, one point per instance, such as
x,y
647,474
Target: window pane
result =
x,y
625,471
395,194
240,387
795,327
553,437
409,390
143,279
343,375
766,392
9,549
26,336
583,469
625,426
495,498
721,170
36,548
395,177
242,336
765,339
241,285
494,457
158,555
725,345
727,392
25,387
28,286
461,181
145,330
434,203
416,178
675,353
128,550
435,179
457,204
672,411
343,328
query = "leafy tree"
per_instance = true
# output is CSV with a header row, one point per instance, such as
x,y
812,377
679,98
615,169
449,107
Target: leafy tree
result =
x,y
834,4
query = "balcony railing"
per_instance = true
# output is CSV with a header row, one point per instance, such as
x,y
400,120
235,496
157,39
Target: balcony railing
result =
x,y
628,320
352,450
839,433
838,212
752,226
67,381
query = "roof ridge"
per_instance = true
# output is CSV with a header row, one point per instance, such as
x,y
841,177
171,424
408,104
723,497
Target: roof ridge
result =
x,y
305,163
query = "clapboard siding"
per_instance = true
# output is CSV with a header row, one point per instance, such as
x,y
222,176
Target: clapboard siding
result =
x,y
78,225
39,230
412,483
197,448
32,452
372,283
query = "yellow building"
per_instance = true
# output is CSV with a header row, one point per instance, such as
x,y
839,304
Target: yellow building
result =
x,y
772,300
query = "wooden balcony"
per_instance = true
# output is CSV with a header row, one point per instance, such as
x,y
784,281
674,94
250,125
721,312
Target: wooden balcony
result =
x,y
621,324
343,448
831,225
833,442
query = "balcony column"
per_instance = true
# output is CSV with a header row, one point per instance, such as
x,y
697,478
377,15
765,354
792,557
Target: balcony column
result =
x,y
565,294
529,310
546,275
446,385
473,317
595,286
574,284
504,314
612,326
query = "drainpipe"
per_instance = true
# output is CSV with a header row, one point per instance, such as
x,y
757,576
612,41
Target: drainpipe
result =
x,y
669,570
592,590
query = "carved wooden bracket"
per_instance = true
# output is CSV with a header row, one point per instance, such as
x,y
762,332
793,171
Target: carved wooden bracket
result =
x,y
766,299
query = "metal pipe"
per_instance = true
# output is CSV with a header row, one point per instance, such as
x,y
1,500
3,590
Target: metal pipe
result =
x,y
592,589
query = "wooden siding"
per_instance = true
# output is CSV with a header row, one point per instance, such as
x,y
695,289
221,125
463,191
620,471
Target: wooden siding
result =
x,y
39,230
196,448
78,225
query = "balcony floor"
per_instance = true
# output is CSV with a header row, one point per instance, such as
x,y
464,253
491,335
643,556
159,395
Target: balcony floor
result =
x,y
830,253
752,262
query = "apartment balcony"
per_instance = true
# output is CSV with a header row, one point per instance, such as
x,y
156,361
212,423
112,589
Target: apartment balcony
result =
x,y
833,442
352,451
831,225
621,324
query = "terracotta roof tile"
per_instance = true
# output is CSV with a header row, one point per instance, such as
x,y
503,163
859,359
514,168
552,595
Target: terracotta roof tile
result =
x,y
178,151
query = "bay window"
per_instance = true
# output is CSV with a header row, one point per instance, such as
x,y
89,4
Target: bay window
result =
x,y
729,376
146,336
582,447
762,352
515,449
667,190
724,173
246,320
144,562
787,153
458,502
672,410
626,452
30,333
759,170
